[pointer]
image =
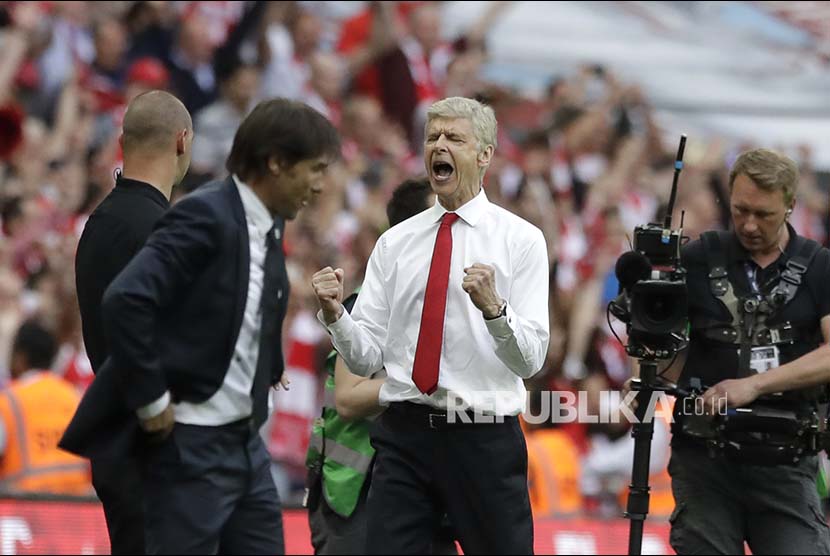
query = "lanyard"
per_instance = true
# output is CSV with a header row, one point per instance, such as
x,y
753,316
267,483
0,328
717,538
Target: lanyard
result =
x,y
752,276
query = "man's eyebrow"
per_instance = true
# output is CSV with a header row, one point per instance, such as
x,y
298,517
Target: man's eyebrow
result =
x,y
750,209
447,132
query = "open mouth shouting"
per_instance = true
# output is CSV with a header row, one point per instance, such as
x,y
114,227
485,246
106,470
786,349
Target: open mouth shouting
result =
x,y
442,170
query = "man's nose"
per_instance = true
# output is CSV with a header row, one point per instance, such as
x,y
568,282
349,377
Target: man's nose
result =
x,y
441,143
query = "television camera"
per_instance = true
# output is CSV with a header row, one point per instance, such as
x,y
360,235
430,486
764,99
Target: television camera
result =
x,y
653,303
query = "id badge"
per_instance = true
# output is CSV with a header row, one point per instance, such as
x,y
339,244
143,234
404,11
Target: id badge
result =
x,y
764,358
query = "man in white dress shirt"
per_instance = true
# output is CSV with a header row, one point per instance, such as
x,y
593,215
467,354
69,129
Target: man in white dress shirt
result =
x,y
454,306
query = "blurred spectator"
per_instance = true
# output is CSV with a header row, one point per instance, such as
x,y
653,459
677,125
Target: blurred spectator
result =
x,y
191,64
145,74
151,26
11,129
412,59
34,411
291,37
197,61
326,85
215,126
11,314
104,78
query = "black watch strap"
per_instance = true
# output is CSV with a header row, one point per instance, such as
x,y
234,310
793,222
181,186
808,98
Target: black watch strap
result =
x,y
502,312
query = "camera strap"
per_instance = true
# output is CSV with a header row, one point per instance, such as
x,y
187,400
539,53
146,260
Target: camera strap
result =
x,y
740,329
793,273
747,330
784,291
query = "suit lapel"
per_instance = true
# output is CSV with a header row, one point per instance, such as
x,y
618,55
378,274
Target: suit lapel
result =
x,y
243,257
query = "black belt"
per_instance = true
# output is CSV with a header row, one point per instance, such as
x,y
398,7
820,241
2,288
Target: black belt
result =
x,y
424,416
244,427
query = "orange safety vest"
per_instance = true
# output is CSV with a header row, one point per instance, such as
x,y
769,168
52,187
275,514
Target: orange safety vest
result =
x,y
35,411
661,499
553,474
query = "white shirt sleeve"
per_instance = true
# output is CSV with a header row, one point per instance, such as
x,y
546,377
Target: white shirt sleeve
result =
x,y
359,337
522,335
154,409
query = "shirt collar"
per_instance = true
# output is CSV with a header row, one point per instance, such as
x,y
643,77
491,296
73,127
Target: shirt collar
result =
x,y
470,212
142,188
255,211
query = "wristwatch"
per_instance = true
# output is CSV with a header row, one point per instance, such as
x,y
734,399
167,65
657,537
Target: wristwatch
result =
x,y
502,311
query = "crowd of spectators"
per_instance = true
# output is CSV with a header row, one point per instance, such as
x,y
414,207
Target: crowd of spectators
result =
x,y
585,161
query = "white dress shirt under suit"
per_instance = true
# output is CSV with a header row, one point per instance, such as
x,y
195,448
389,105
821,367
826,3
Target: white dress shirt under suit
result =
x,y
232,401
483,361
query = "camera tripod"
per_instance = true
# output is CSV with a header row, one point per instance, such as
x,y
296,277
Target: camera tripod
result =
x,y
643,431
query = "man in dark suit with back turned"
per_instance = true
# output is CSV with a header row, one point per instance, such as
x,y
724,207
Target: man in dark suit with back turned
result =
x,y
156,140
194,326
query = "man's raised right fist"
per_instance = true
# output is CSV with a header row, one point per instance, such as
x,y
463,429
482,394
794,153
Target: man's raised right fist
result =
x,y
328,287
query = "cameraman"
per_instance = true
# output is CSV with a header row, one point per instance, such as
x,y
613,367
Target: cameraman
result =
x,y
759,298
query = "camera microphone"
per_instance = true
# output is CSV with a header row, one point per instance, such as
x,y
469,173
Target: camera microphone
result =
x,y
631,267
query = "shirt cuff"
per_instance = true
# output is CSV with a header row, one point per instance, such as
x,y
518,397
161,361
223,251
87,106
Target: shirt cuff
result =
x,y
154,409
501,327
342,325
323,320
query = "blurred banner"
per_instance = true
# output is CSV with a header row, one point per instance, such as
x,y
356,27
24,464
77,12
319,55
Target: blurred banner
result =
x,y
71,527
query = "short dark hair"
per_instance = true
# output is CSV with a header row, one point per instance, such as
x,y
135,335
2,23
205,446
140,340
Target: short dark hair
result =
x,y
409,198
288,130
36,343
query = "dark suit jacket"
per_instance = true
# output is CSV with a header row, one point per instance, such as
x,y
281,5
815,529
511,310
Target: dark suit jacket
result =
x,y
113,234
174,314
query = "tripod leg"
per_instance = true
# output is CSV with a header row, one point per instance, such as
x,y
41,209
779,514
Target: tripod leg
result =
x,y
638,490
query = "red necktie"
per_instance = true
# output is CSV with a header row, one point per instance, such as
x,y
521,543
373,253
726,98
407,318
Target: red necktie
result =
x,y
431,334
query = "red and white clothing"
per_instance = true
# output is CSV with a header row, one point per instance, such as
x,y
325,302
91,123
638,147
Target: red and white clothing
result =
x,y
296,409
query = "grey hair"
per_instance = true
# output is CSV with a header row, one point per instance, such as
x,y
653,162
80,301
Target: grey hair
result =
x,y
480,115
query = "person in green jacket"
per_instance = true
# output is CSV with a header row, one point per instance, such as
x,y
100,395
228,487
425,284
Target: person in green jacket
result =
x,y
340,455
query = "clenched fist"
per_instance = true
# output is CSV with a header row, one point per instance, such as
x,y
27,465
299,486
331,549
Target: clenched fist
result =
x,y
480,285
328,287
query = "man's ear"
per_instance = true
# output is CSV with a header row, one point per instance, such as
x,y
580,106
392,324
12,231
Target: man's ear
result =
x,y
485,156
274,165
181,142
